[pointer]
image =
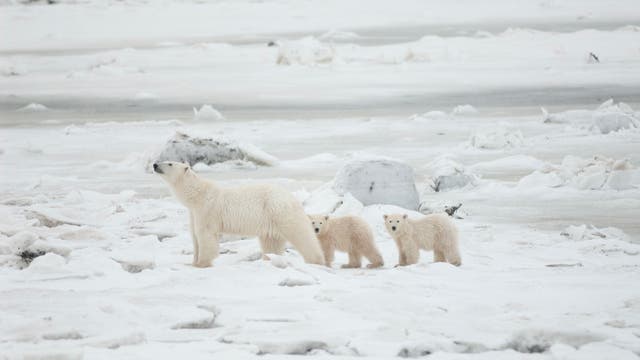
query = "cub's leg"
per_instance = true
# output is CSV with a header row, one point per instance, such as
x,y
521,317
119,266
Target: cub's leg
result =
x,y
355,260
328,249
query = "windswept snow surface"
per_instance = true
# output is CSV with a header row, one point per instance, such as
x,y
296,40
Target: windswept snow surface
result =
x,y
95,253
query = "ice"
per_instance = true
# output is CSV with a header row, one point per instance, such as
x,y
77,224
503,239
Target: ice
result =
x,y
33,107
305,51
209,151
462,110
338,35
597,173
207,113
47,263
378,182
500,138
447,174
584,232
608,117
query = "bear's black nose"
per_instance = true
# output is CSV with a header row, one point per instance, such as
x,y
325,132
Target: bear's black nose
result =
x,y
317,230
393,228
155,166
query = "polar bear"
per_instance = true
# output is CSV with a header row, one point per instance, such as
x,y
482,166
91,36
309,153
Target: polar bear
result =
x,y
433,232
349,234
269,212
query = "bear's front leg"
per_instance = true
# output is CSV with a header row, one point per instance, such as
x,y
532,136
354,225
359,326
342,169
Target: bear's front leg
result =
x,y
207,246
194,238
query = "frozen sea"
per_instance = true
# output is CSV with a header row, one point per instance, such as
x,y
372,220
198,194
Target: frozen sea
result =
x,y
505,92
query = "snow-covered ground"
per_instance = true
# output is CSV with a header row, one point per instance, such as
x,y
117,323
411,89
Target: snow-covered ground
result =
x,y
90,92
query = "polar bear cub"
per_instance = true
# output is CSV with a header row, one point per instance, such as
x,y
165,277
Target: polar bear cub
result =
x,y
266,211
349,234
433,232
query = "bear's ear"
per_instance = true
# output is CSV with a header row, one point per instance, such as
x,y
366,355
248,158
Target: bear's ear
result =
x,y
385,216
405,216
326,217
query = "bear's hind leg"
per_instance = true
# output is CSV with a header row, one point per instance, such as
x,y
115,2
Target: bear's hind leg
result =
x,y
271,244
300,235
355,260
438,255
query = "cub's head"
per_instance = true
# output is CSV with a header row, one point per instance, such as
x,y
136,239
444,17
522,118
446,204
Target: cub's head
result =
x,y
171,171
319,223
396,223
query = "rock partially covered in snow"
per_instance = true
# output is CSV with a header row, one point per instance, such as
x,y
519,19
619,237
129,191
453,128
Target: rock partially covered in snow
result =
x,y
497,139
207,113
193,150
598,173
306,51
378,182
447,174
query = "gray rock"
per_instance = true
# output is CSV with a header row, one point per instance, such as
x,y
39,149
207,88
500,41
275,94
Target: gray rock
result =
x,y
193,150
378,182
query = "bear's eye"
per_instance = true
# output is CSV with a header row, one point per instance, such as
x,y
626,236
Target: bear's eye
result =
x,y
320,223
170,164
398,221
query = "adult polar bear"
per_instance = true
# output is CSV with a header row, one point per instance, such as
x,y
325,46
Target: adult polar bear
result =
x,y
269,212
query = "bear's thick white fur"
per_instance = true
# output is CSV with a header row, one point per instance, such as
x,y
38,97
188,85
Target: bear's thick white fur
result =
x,y
349,234
266,211
433,232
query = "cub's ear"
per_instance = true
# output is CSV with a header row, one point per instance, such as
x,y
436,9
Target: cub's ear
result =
x,y
326,217
385,216
405,216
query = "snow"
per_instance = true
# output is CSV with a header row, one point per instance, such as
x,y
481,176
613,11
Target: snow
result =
x,y
95,253
500,138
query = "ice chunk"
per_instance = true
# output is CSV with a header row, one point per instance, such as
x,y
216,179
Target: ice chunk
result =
x,y
378,182
46,263
447,174
207,113
598,173
464,110
33,107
